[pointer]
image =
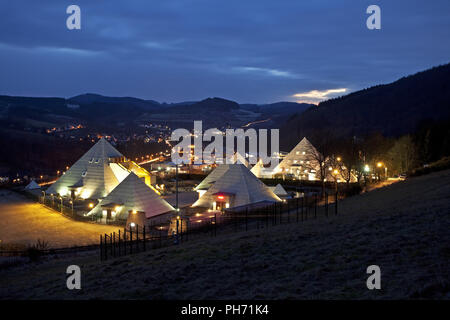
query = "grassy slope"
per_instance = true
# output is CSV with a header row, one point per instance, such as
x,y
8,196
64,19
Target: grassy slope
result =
x,y
403,228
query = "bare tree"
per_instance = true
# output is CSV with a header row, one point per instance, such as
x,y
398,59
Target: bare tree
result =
x,y
320,154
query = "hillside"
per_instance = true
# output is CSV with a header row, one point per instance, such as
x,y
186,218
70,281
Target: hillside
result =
x,y
392,109
403,228
103,112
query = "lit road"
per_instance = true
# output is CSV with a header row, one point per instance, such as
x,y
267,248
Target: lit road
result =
x,y
255,122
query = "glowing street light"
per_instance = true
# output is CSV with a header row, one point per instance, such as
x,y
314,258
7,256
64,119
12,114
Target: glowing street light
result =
x,y
366,168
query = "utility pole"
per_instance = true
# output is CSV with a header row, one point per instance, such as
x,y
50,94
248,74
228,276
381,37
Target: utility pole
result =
x,y
176,186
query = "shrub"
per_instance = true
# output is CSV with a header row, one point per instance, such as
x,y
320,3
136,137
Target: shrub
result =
x,y
439,165
35,251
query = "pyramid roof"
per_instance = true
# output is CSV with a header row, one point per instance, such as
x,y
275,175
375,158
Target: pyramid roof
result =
x,y
303,151
92,173
257,168
133,194
32,185
240,182
212,177
279,190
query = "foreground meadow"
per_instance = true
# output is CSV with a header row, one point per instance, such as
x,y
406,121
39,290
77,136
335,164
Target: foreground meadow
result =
x,y
403,228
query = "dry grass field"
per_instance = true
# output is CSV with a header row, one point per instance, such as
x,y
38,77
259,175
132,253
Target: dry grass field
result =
x,y
403,228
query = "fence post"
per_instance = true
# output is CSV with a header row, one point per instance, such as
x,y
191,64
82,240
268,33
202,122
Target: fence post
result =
x,y
106,247
288,212
144,237
315,206
118,244
101,248
111,244
125,241
296,209
246,219
114,244
131,240
336,204
281,211
137,238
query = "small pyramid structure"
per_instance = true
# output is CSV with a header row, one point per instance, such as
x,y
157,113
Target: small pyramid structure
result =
x,y
32,186
239,159
279,190
92,175
238,181
258,168
132,194
302,157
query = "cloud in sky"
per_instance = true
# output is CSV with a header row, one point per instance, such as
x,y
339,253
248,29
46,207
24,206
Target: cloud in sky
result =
x,y
256,51
267,72
316,96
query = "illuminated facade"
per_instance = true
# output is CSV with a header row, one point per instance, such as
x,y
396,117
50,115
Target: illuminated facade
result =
x,y
230,186
301,163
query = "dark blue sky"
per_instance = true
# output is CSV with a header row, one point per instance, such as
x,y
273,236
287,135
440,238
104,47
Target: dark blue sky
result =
x,y
244,50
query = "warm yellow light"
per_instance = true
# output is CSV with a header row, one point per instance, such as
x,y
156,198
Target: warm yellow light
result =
x,y
134,211
91,205
379,164
335,171
338,159
178,217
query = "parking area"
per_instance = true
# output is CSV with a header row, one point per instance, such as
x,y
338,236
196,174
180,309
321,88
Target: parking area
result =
x,y
24,222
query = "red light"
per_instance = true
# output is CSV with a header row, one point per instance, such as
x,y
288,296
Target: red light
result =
x,y
220,197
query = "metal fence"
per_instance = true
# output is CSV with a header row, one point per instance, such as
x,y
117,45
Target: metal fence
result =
x,y
290,211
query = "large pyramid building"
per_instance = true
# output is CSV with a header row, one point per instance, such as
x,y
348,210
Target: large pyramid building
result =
x,y
132,195
233,186
94,175
301,162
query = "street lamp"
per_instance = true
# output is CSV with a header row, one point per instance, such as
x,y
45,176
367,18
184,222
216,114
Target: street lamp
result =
x,y
380,165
